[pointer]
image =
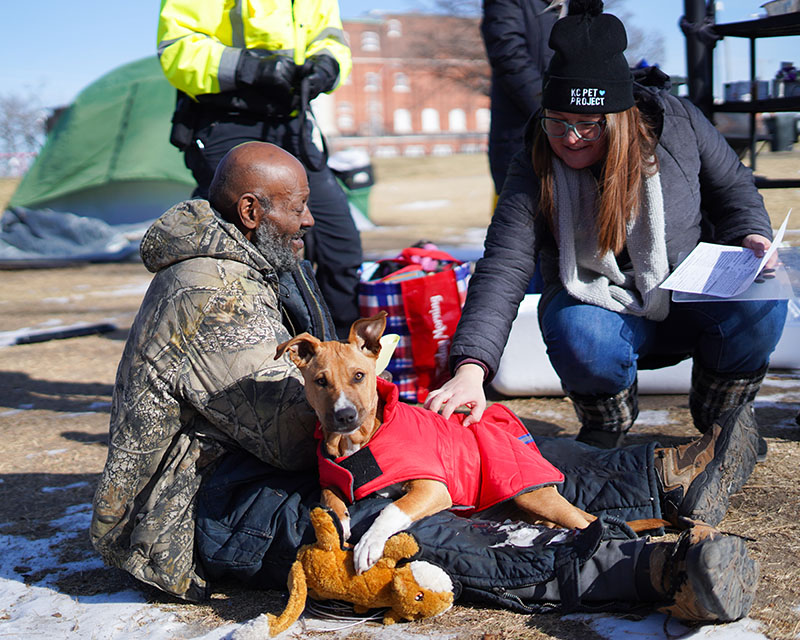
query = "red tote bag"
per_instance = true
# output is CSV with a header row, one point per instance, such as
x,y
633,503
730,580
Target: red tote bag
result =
x,y
424,309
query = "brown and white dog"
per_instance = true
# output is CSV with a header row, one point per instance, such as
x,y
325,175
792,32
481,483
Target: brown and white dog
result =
x,y
340,386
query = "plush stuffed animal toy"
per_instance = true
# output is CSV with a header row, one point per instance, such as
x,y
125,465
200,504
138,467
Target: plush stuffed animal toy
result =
x,y
324,570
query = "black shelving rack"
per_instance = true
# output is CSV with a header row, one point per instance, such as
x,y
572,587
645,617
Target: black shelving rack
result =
x,y
769,27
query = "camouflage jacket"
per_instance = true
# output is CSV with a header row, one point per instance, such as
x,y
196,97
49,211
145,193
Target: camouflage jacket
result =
x,y
197,376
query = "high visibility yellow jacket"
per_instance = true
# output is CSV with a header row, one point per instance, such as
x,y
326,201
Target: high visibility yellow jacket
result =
x,y
200,41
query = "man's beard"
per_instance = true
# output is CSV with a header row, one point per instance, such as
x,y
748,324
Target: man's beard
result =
x,y
275,247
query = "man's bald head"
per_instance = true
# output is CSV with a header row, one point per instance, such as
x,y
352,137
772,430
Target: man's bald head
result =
x,y
263,191
253,167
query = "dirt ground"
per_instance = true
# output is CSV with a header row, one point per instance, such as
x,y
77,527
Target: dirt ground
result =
x,y
55,398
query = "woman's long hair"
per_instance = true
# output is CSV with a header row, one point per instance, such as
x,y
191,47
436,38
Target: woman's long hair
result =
x,y
629,158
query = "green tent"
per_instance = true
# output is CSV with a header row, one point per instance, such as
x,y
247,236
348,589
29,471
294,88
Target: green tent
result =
x,y
109,156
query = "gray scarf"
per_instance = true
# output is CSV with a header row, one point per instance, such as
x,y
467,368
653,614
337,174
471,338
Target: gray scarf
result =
x,y
597,279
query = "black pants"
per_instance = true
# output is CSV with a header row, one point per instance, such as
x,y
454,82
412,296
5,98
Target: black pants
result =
x,y
251,519
334,244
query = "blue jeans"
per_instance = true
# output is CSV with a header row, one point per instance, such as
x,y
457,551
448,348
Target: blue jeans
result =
x,y
596,352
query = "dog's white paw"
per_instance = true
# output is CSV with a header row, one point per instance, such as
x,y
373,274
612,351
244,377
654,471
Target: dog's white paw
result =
x,y
368,551
370,548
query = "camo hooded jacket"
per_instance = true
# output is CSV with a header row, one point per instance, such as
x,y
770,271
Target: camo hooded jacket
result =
x,y
197,377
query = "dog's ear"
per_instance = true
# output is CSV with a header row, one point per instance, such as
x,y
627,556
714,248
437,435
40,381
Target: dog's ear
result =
x,y
366,333
301,349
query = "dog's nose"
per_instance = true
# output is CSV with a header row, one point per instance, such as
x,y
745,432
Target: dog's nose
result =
x,y
345,418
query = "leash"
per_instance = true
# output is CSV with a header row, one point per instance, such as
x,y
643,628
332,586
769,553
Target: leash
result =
x,y
305,109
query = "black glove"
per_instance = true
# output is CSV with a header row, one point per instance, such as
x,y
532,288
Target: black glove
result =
x,y
320,72
277,72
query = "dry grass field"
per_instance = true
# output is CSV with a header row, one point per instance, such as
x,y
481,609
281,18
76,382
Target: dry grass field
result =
x,y
7,186
55,398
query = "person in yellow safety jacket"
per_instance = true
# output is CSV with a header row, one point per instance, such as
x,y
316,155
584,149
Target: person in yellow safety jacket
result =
x,y
246,71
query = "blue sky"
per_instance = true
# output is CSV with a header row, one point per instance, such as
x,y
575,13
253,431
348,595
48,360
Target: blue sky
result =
x,y
59,47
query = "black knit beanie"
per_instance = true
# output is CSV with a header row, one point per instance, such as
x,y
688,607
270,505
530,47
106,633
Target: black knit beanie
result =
x,y
588,72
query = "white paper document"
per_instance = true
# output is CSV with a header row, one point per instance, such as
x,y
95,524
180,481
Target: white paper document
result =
x,y
720,270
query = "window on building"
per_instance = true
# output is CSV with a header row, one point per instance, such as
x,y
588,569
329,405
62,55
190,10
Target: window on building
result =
x,y
370,41
345,122
376,126
344,117
482,118
402,121
430,120
457,121
401,84
394,29
375,115
372,81
472,147
386,152
414,151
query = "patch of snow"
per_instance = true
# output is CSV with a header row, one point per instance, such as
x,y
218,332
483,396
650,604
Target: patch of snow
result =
x,y
422,205
66,487
8,338
652,628
787,381
51,322
556,415
39,611
523,535
777,399
653,418
474,235
136,289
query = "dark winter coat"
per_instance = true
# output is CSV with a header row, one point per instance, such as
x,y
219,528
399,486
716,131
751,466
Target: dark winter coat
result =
x,y
252,518
515,34
708,194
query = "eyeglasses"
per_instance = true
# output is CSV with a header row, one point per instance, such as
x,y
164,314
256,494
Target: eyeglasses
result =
x,y
556,128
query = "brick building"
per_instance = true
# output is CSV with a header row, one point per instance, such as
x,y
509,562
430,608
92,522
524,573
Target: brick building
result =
x,y
401,98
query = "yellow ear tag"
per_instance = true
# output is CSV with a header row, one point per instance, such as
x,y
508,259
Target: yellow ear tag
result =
x,y
388,345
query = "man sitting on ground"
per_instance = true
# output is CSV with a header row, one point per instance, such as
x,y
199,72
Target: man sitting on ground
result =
x,y
211,463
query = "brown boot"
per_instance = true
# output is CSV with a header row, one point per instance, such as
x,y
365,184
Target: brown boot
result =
x,y
697,479
706,576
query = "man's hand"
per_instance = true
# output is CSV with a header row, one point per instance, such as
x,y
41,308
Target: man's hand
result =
x,y
464,389
277,72
320,72
760,245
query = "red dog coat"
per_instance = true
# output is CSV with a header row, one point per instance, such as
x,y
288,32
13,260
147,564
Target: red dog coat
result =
x,y
481,464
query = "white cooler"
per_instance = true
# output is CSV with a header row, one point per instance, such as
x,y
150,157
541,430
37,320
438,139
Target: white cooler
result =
x,y
525,369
